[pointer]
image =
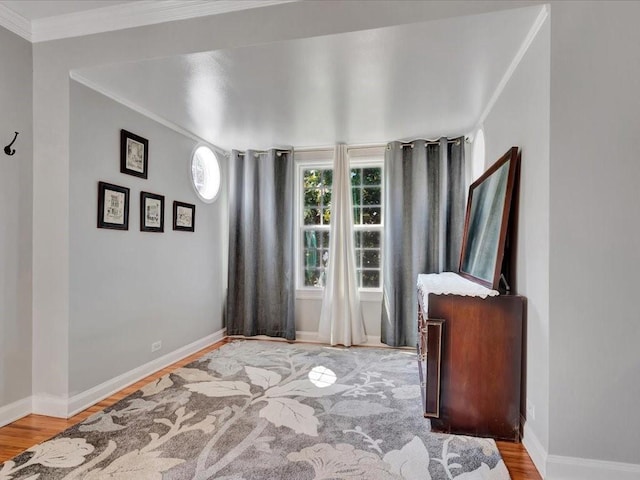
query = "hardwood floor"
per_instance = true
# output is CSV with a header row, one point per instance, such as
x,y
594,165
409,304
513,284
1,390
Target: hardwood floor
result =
x,y
32,429
518,461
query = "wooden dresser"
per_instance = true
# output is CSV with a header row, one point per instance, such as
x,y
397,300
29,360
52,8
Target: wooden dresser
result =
x,y
470,353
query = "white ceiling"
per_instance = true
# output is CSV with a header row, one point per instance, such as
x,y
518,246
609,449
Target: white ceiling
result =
x,y
417,80
36,9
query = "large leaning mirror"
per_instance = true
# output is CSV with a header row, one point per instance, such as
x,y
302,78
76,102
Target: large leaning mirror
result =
x,y
486,223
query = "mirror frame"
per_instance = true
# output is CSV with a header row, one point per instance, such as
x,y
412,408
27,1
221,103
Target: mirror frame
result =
x,y
512,156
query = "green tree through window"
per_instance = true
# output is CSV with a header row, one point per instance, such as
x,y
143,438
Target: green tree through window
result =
x,y
366,187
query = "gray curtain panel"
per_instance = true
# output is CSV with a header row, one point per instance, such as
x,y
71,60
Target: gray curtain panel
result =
x,y
425,194
261,289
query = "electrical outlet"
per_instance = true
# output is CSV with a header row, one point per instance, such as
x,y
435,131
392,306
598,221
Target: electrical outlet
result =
x,y
156,346
531,410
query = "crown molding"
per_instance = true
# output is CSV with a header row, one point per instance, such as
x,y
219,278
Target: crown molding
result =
x,y
121,16
135,14
15,23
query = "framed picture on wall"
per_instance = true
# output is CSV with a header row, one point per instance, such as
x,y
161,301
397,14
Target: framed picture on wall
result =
x,y
113,206
151,212
184,216
134,154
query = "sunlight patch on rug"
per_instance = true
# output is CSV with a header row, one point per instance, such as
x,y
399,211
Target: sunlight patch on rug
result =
x,y
262,410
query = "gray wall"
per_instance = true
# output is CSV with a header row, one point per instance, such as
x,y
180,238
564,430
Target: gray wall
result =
x,y
595,231
520,117
583,367
15,218
594,173
308,314
129,289
52,63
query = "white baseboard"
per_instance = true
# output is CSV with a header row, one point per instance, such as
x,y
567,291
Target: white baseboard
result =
x,y
312,337
556,467
84,400
535,450
571,468
50,405
14,411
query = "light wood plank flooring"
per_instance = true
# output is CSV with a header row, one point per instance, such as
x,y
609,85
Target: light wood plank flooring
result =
x,y
32,429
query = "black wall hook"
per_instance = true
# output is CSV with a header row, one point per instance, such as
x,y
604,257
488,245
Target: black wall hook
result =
x,y
8,150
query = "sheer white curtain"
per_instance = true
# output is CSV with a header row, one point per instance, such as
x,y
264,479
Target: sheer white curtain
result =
x,y
341,317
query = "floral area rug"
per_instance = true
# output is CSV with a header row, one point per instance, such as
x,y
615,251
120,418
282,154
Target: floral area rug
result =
x,y
266,410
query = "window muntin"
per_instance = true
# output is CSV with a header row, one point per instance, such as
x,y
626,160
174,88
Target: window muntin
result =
x,y
316,188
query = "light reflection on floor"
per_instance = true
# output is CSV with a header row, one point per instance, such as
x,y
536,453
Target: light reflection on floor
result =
x,y
322,376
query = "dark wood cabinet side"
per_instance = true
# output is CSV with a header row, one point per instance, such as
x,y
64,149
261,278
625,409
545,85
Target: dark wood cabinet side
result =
x,y
480,374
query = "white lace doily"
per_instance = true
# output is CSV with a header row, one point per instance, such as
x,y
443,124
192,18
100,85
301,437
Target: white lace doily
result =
x,y
449,283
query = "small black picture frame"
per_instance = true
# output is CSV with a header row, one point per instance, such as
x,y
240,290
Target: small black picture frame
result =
x,y
184,216
113,206
134,154
151,212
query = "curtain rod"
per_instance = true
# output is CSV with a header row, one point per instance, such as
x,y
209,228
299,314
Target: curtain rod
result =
x,y
455,141
279,152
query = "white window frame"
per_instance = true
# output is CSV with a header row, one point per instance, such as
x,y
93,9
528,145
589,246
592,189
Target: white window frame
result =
x,y
305,160
368,162
217,171
359,157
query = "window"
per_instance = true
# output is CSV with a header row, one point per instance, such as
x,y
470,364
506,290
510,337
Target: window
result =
x,y
205,173
316,217
315,181
366,186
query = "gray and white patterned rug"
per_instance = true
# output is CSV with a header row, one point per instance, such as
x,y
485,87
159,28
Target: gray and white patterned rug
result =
x,y
267,410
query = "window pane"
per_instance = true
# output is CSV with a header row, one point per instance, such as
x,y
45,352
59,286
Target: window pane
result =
x,y
326,197
326,216
312,178
205,173
317,196
371,215
311,216
371,196
357,196
358,258
327,177
312,197
314,277
324,239
324,259
310,249
315,257
356,216
311,259
357,237
372,176
370,279
371,239
371,258
356,176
